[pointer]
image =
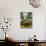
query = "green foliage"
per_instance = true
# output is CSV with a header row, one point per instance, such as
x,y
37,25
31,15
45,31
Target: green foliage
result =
x,y
21,15
29,16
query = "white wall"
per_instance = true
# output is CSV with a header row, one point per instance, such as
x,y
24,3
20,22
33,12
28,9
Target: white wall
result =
x,y
12,8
